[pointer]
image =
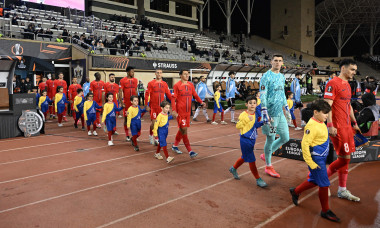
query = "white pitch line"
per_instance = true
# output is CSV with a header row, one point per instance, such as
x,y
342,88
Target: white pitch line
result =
x,y
74,151
48,144
94,163
113,182
124,179
178,198
278,214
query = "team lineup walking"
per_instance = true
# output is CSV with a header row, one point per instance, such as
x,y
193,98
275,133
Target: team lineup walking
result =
x,y
270,109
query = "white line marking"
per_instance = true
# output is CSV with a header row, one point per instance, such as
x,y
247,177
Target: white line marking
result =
x,y
75,151
48,144
278,214
113,182
178,198
94,163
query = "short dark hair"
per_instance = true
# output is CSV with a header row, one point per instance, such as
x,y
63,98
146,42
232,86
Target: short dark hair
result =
x,y
288,94
42,91
133,97
347,62
182,70
200,77
58,88
129,68
277,55
108,94
250,98
97,74
111,74
89,94
164,103
79,90
298,73
320,105
231,72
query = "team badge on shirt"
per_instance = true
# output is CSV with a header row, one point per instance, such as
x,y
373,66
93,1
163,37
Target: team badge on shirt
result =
x,y
329,89
262,87
307,131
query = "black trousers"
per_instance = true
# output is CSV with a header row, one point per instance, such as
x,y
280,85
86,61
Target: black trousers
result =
x,y
142,97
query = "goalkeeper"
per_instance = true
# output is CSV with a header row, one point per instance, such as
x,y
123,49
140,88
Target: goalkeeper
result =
x,y
272,95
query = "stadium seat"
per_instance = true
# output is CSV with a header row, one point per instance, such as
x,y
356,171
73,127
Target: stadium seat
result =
x,y
374,130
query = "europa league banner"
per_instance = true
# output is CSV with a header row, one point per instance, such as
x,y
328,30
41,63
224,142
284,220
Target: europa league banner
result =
x,y
121,62
41,50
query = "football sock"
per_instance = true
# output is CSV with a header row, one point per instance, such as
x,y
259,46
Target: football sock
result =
x,y
178,138
186,142
126,130
165,149
252,167
238,163
324,198
213,117
304,186
222,115
295,123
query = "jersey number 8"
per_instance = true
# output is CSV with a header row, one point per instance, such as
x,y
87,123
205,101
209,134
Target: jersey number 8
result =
x,y
346,147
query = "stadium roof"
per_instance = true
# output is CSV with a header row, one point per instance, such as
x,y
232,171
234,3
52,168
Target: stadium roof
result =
x,y
345,18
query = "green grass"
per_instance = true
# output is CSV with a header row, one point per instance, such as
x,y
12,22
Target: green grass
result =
x,y
240,104
308,98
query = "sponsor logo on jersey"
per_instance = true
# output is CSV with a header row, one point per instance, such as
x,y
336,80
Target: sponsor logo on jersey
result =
x,y
329,89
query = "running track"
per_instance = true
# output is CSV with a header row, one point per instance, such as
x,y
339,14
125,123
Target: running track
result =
x,y
69,179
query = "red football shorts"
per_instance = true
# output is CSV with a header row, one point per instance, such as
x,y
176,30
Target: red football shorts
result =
x,y
183,120
154,113
343,142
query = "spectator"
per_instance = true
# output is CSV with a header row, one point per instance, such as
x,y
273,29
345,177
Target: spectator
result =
x,y
28,86
163,47
217,55
59,39
300,58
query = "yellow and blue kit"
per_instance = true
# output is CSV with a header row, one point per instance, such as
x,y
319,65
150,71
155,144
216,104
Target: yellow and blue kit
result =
x,y
161,128
217,104
134,119
78,106
258,109
109,115
315,148
291,108
43,103
38,99
59,101
89,111
248,135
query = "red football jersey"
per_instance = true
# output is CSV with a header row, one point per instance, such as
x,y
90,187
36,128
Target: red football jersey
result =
x,y
60,82
97,89
42,86
73,91
112,88
129,87
51,88
155,93
339,91
183,94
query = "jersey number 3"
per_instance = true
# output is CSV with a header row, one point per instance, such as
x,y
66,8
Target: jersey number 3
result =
x,y
272,130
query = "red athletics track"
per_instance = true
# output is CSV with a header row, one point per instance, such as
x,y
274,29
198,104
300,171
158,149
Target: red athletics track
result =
x,y
69,179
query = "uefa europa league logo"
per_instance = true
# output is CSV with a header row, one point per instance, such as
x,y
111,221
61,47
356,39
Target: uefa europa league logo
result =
x,y
17,49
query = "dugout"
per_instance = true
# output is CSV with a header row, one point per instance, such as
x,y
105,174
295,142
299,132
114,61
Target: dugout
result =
x,y
247,75
11,105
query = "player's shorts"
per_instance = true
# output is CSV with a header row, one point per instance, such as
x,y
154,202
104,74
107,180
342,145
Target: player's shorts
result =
x,y
216,109
231,102
292,114
162,133
343,142
319,176
247,146
278,126
154,113
135,128
78,115
183,120
125,110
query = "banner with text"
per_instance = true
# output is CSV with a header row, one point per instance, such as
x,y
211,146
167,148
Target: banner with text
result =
x,y
41,50
121,62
